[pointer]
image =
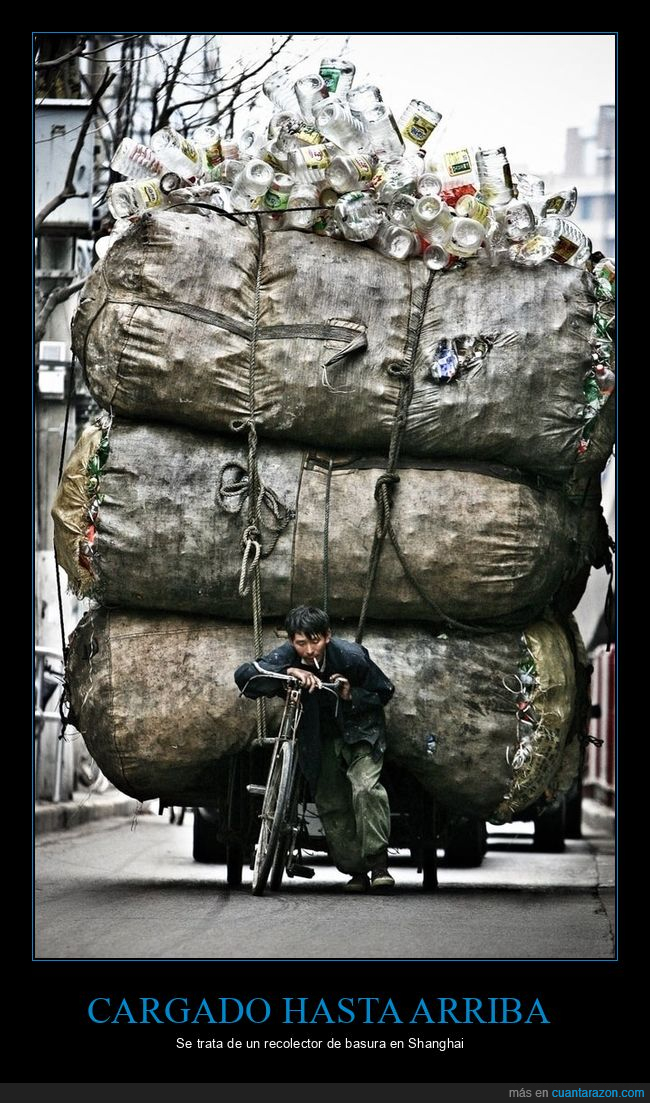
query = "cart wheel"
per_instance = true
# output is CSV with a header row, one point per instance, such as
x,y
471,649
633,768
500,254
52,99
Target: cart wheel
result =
x,y
430,868
429,845
466,842
234,864
549,829
206,847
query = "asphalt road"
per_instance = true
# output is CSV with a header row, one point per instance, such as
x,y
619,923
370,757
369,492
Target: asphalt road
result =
x,y
129,889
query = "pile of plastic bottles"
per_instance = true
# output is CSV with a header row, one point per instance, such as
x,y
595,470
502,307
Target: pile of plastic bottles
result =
x,y
335,161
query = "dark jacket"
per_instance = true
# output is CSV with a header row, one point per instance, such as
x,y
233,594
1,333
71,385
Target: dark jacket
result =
x,y
362,717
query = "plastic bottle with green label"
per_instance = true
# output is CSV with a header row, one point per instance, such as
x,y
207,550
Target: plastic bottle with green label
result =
x,y
338,74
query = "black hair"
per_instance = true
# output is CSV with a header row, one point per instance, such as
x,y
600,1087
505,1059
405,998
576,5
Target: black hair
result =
x,y
308,620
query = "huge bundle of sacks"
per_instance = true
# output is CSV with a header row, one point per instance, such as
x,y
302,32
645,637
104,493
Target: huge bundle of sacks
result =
x,y
302,369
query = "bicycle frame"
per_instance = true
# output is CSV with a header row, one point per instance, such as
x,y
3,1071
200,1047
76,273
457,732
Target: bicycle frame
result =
x,y
275,850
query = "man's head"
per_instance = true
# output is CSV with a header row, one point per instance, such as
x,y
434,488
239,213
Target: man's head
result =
x,y
310,631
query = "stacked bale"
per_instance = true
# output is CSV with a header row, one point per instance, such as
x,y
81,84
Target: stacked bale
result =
x,y
475,500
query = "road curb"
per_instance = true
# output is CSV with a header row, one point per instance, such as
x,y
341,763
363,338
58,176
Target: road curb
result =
x,y
85,807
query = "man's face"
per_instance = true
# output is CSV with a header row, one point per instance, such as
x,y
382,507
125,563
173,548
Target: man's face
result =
x,y
311,649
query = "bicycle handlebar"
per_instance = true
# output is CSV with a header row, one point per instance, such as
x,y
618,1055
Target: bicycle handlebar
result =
x,y
332,687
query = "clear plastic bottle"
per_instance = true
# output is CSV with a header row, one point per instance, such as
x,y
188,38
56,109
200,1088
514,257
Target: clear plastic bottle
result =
x,y
208,138
229,170
530,189
382,136
425,212
394,177
561,203
338,74
440,227
469,206
417,122
335,121
279,87
296,217
393,241
127,199
400,211
251,144
554,239
429,184
169,182
230,149
495,178
309,164
571,245
363,97
348,173
251,184
436,257
135,161
358,216
310,91
518,220
178,154
465,237
277,197
275,155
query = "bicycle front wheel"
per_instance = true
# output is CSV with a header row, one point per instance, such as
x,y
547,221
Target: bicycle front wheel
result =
x,y
288,830
273,816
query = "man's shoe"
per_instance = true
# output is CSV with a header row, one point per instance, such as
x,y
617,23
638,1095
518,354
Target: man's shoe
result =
x,y
357,883
380,878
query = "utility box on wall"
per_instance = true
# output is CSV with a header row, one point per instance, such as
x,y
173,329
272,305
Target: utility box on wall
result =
x,y
57,126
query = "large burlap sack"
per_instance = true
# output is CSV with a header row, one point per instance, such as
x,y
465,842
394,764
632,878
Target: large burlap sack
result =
x,y
181,323
155,699
483,544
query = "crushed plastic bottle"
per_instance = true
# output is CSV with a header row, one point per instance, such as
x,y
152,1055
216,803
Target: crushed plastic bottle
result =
x,y
358,216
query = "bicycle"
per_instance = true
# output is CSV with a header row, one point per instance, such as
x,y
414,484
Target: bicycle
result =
x,y
284,792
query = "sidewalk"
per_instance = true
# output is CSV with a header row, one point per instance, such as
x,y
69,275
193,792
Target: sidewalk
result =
x,y
85,807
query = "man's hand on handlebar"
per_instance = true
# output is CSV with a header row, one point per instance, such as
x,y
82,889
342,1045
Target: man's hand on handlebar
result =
x,y
342,685
309,681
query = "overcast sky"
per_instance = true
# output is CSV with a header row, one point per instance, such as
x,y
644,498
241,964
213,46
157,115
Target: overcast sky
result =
x,y
517,90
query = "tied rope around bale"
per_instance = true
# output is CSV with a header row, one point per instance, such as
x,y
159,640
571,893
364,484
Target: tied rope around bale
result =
x,y
387,482
251,538
231,495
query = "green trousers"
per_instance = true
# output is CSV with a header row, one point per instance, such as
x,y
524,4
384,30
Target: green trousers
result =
x,y
352,805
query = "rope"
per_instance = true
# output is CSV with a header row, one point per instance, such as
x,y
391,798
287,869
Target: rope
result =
x,y
250,578
326,537
389,478
231,496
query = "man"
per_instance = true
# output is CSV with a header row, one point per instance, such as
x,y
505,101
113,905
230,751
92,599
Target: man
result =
x,y
341,749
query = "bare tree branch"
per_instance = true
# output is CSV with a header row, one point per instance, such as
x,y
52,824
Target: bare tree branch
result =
x,y
166,112
64,57
69,191
59,295
236,85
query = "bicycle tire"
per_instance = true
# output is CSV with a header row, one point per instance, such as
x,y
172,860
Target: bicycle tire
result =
x,y
286,837
274,810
